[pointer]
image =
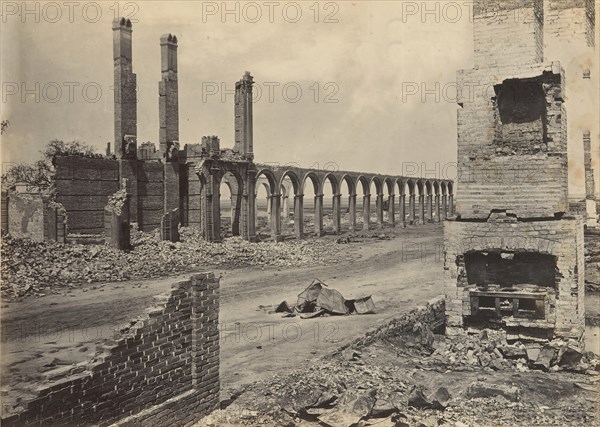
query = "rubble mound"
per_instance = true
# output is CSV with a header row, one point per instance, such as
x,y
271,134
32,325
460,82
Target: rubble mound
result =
x,y
420,379
37,268
490,349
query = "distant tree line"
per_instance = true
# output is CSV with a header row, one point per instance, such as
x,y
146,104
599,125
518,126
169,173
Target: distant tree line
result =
x,y
40,174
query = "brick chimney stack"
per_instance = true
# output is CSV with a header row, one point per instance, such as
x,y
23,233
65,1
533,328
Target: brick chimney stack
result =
x,y
124,88
168,103
243,117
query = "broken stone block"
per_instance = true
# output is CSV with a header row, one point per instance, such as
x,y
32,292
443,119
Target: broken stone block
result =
x,y
352,406
351,354
382,409
570,358
471,359
423,334
533,353
546,357
497,364
417,399
510,352
440,398
484,359
478,389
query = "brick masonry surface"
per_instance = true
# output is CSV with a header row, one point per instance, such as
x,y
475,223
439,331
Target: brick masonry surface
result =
x,y
162,369
83,186
431,315
521,167
565,308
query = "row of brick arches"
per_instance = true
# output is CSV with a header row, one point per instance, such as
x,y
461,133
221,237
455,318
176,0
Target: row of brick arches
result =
x,y
298,202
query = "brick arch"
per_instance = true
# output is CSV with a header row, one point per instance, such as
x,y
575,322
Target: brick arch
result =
x,y
428,188
351,184
293,178
334,183
450,188
283,190
412,187
232,180
443,187
378,184
315,181
436,187
267,187
390,184
420,187
402,186
267,173
366,185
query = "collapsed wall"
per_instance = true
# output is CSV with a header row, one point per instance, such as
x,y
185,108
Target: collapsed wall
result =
x,y
33,216
83,186
162,370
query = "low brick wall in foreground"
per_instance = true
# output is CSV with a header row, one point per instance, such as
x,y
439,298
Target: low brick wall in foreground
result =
x,y
162,370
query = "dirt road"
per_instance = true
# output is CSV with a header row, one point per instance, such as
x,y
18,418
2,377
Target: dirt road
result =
x,y
64,329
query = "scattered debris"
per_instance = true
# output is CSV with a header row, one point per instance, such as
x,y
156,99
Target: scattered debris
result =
x,y
318,299
376,385
32,268
481,389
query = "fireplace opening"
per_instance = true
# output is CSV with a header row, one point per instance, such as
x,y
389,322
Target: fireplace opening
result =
x,y
508,286
507,269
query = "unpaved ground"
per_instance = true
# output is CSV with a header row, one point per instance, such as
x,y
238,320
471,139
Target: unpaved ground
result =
x,y
40,333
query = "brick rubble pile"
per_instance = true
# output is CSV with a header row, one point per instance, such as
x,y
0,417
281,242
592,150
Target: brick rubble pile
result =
x,y
404,381
37,268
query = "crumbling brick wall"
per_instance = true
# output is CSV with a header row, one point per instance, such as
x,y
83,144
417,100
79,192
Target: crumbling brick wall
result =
x,y
4,211
162,369
516,25
561,239
571,20
150,182
509,162
193,199
83,186
432,316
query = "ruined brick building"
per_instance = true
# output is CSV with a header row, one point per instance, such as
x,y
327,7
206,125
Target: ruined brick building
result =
x,y
181,184
514,254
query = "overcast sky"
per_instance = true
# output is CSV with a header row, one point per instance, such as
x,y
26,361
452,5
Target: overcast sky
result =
x,y
364,55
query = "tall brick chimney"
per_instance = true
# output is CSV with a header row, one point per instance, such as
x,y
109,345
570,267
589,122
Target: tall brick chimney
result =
x,y
589,172
243,117
514,255
168,101
125,90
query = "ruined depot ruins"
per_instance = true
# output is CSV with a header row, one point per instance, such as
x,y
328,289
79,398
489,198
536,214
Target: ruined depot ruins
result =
x,y
181,184
513,248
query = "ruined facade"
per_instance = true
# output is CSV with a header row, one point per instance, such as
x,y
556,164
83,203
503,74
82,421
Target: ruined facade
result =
x,y
182,183
514,254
